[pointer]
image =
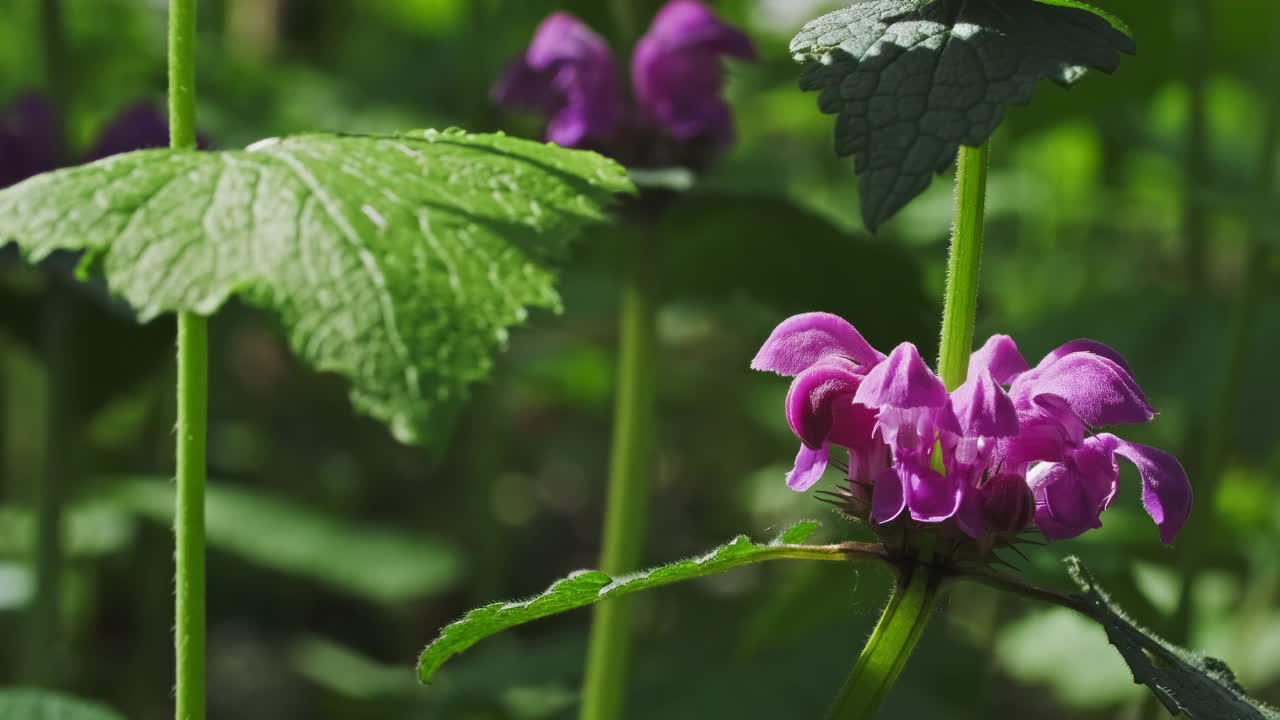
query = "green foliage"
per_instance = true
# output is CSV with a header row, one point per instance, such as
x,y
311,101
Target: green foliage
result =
x,y
90,530
1202,688
911,81
591,586
25,704
398,261
382,565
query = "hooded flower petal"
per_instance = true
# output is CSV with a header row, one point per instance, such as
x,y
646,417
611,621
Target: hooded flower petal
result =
x,y
902,381
1084,345
1166,492
809,467
931,496
1071,496
1000,357
677,73
30,139
979,408
568,74
804,340
814,396
1096,389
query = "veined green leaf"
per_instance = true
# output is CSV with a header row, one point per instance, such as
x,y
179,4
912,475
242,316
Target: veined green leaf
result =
x,y
590,586
912,80
382,565
1202,688
397,261
32,704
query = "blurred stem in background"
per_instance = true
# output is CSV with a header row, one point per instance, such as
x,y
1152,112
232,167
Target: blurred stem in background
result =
x,y
630,469
919,589
253,27
1194,33
193,399
40,662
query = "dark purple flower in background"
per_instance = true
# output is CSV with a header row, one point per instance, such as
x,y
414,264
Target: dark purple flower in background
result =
x,y
569,75
138,127
30,139
1017,444
678,73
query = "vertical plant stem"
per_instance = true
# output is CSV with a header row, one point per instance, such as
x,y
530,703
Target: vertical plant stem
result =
x,y
57,340
886,653
630,467
960,303
193,392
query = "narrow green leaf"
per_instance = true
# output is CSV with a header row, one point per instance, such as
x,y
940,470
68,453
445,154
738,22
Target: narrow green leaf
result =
x,y
381,565
590,586
1202,688
398,261
32,704
912,80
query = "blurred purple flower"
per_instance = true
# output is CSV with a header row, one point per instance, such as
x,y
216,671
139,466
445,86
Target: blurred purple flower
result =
x,y
1007,456
138,127
30,139
569,75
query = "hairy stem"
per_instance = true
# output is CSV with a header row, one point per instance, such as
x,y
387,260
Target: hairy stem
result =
x,y
630,467
890,646
960,304
193,398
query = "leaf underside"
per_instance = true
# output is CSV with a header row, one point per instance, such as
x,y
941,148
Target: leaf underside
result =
x,y
911,80
1201,688
590,586
397,261
32,704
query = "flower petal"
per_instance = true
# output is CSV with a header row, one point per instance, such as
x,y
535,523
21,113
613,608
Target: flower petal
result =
x,y
1166,491
30,139
814,395
887,497
809,467
1084,345
903,381
1096,389
931,496
1000,357
804,340
1071,496
979,408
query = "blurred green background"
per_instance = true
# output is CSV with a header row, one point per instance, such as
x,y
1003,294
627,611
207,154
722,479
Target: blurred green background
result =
x,y
1139,210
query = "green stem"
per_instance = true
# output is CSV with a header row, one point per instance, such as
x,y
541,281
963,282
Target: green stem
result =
x,y
193,398
890,646
40,665
630,466
960,305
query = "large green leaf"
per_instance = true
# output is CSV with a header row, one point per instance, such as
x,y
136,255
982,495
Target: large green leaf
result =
x,y
31,704
912,80
382,565
398,261
1202,688
590,586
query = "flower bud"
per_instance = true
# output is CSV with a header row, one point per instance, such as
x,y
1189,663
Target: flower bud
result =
x,y
1007,504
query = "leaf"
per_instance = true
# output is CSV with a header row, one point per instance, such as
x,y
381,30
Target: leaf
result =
x,y
381,565
587,587
398,261
31,704
89,530
1202,688
912,80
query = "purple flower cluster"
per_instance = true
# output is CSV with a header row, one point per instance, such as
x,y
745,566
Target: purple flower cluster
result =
x,y
1012,445
31,137
569,75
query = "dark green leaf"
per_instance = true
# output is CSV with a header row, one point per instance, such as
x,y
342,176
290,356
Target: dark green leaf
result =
x,y
912,80
382,565
31,704
398,261
590,586
1202,688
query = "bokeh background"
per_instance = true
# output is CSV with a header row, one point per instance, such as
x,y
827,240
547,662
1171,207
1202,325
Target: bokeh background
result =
x,y
1139,210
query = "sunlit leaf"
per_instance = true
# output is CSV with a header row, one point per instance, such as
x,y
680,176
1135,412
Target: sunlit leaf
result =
x,y
397,261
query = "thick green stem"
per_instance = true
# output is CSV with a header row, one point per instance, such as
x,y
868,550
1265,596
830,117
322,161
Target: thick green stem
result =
x,y
193,397
960,304
890,646
630,467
